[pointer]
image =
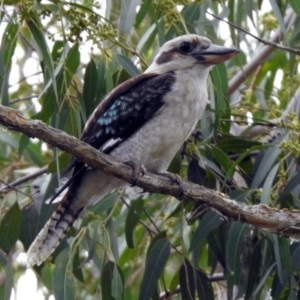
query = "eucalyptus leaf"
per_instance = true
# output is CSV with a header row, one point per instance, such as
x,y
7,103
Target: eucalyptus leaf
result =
x,y
156,260
10,226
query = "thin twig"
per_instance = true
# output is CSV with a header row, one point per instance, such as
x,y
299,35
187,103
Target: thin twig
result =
x,y
266,42
24,179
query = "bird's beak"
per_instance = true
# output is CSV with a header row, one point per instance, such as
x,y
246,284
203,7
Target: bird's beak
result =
x,y
215,54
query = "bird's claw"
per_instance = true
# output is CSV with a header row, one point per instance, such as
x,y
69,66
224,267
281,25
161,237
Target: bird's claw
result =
x,y
176,179
138,170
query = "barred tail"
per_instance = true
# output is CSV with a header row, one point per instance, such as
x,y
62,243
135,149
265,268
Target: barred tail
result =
x,y
53,232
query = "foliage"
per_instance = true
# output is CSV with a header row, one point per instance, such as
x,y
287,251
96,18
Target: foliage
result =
x,y
57,61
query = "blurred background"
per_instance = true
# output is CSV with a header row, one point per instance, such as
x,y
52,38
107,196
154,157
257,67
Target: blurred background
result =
x,y
57,62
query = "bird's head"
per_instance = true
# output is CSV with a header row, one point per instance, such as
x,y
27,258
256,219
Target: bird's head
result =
x,y
188,51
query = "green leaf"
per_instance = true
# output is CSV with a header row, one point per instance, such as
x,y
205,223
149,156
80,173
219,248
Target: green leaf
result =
x,y
209,222
195,173
28,225
234,249
128,65
156,260
103,205
63,161
7,49
23,143
132,219
109,225
221,158
264,168
89,88
127,15
278,15
284,246
187,281
250,8
267,187
65,72
101,88
77,271
293,183
47,276
3,258
295,4
42,49
106,280
204,286
191,13
240,159
216,249
10,227
146,41
254,274
144,9
159,236
264,278
237,145
117,284
8,282
63,287
219,78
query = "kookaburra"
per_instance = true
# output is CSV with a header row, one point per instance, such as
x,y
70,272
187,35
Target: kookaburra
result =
x,y
144,120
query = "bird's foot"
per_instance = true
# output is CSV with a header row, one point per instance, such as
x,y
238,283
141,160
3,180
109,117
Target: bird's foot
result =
x,y
138,170
175,179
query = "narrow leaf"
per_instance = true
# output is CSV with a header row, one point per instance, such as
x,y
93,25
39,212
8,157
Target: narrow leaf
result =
x,y
265,197
235,246
132,219
203,286
269,160
254,274
117,284
7,49
221,158
3,259
274,239
106,280
156,260
278,15
8,282
209,222
293,183
264,278
295,4
43,51
187,281
236,145
128,65
219,78
28,225
10,227
144,9
89,88
62,284
128,12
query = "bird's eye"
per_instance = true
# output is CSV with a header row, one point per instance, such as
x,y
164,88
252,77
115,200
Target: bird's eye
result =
x,y
185,47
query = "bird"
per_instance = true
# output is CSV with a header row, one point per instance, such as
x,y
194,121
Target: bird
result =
x,y
144,120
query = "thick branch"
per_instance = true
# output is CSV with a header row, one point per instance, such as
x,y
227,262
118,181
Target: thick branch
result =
x,y
283,222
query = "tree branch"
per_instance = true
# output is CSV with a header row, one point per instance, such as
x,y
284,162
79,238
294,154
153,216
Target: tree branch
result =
x,y
282,222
